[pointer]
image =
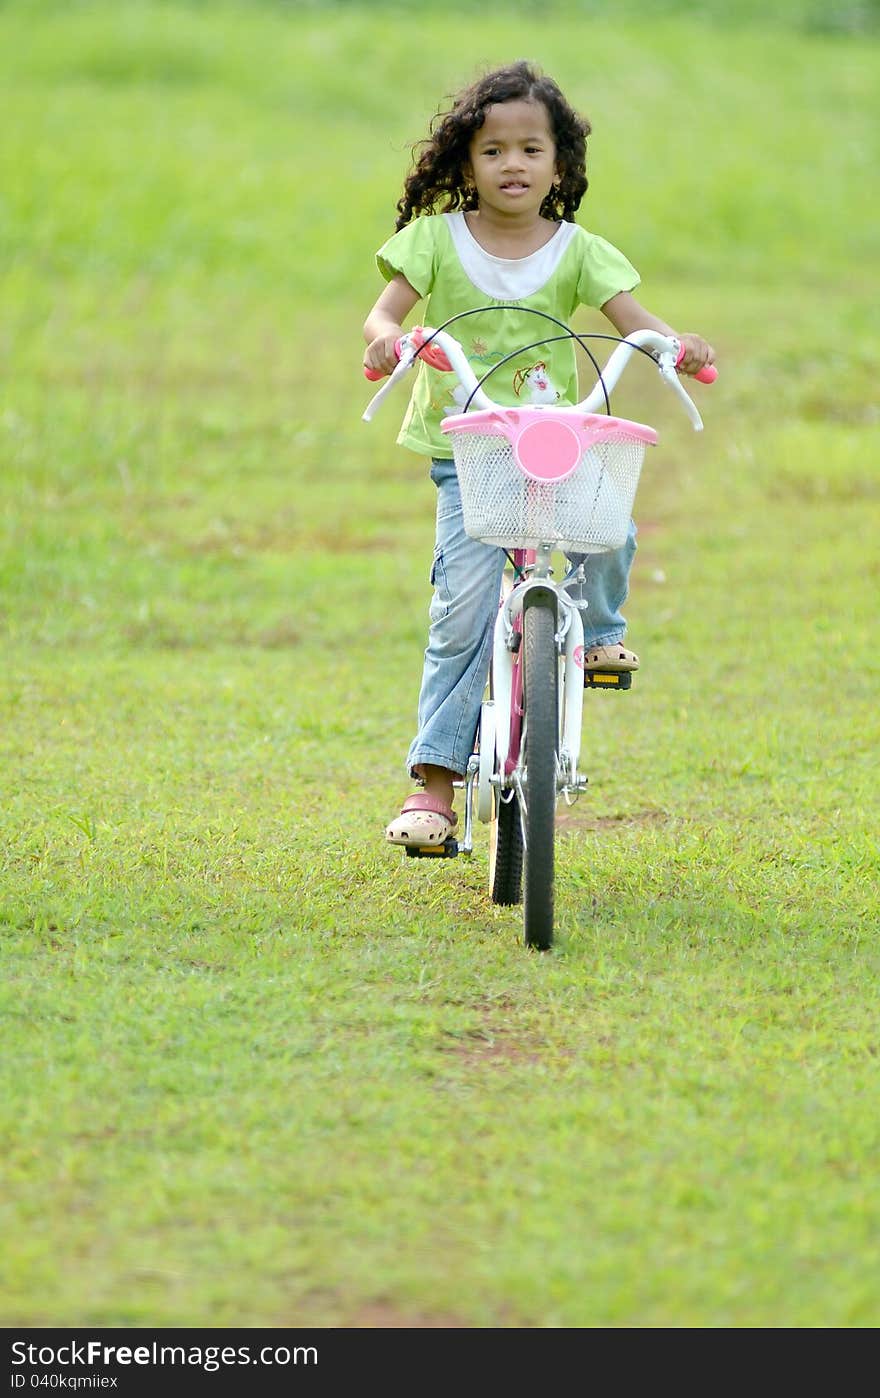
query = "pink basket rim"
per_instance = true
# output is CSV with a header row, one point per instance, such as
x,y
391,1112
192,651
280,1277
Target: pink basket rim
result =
x,y
502,422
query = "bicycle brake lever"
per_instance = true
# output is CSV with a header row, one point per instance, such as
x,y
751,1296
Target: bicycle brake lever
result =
x,y
666,363
404,364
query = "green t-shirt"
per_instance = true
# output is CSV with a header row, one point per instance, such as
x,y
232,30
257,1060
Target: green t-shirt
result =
x,y
442,261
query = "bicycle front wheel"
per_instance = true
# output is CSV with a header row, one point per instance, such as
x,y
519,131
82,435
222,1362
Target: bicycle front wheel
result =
x,y
540,697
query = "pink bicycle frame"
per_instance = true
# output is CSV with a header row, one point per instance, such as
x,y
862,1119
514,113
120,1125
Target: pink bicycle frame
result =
x,y
521,558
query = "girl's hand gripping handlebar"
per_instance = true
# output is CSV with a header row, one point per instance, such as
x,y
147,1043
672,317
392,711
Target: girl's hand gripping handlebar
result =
x,y
442,352
708,374
414,339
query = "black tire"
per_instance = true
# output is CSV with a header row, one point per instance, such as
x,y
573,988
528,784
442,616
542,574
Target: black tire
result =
x,y
540,691
506,853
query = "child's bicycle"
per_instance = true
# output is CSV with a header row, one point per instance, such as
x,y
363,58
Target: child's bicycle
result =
x,y
537,480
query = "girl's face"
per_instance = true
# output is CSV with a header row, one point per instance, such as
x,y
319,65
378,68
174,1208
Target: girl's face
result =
x,y
513,158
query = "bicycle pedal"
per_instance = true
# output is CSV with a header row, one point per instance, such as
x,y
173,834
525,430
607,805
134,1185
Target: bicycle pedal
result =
x,y
608,679
448,850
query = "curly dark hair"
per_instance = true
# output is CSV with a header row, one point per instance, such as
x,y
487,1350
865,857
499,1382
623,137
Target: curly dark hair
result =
x,y
438,176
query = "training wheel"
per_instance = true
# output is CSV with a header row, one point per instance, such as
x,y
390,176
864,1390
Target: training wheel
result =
x,y
485,790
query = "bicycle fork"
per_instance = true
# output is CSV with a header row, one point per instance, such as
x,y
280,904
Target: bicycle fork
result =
x,y
508,710
507,694
505,679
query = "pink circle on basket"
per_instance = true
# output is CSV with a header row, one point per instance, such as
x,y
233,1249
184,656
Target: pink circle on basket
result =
x,y
548,451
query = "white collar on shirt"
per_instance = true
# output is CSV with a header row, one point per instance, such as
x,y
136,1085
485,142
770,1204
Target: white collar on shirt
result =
x,y
507,278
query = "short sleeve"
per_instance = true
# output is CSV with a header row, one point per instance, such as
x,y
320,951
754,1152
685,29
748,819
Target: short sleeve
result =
x,y
604,272
413,252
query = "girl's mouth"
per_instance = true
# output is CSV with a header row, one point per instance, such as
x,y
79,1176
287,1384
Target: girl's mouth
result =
x,y
514,187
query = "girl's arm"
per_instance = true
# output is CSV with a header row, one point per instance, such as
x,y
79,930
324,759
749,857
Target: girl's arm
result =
x,y
383,326
626,315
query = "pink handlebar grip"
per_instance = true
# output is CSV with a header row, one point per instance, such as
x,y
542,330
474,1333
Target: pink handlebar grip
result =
x,y
433,354
708,374
374,374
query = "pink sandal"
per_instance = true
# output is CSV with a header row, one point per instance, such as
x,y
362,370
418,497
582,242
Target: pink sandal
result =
x,y
423,820
614,657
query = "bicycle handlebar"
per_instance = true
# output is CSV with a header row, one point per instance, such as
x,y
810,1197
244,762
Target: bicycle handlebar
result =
x,y
665,349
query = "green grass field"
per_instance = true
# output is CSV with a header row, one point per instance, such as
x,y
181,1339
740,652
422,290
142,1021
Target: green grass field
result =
x,y
257,1069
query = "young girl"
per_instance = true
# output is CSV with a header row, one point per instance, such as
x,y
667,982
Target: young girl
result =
x,y
506,166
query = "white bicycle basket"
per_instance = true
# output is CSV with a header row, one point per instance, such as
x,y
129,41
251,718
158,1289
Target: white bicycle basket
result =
x,y
558,476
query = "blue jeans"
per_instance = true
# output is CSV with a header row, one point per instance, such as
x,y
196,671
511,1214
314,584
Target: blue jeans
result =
x,y
466,577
